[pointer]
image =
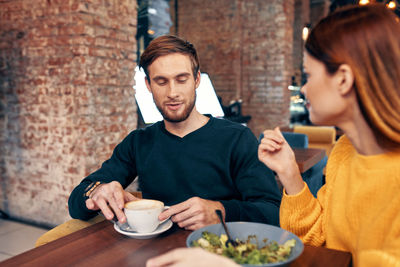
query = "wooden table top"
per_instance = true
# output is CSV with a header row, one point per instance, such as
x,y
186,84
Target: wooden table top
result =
x,y
308,157
100,245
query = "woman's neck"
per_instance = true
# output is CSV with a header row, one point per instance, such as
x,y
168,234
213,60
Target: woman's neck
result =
x,y
361,135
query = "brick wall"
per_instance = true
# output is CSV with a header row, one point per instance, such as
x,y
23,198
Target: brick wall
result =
x,y
246,47
301,18
66,98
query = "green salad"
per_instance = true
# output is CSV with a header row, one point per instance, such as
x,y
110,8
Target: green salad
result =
x,y
246,252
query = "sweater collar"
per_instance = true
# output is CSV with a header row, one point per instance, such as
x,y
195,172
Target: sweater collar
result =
x,y
205,126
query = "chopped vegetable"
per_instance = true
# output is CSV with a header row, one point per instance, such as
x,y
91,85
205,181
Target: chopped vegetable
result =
x,y
246,252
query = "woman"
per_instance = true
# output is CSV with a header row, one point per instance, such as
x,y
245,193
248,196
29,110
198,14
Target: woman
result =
x,y
352,61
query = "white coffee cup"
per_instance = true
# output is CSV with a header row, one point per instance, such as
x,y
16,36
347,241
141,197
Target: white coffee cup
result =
x,y
142,215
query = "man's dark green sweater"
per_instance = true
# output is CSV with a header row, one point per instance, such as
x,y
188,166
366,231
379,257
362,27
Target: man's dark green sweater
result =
x,y
216,162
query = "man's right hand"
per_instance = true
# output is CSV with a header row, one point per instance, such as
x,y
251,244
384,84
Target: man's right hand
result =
x,y
110,199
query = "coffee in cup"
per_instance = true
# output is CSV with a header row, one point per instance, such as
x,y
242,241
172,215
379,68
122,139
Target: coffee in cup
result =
x,y
142,215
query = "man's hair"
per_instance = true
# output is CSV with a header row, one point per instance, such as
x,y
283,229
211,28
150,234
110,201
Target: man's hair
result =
x,y
367,38
165,45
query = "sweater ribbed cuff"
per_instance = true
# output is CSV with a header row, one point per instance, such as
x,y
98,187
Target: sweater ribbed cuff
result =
x,y
296,206
231,210
298,200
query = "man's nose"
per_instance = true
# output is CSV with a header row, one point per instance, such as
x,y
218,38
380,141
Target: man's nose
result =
x,y
172,90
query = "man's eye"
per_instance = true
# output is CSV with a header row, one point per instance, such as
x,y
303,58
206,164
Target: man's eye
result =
x,y
161,82
182,80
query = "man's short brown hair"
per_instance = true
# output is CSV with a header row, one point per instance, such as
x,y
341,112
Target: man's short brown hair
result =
x,y
165,45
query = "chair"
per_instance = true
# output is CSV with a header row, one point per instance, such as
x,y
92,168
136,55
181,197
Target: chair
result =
x,y
314,177
318,136
296,140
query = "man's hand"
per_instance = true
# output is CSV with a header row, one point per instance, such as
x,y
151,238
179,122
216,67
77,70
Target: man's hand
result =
x,y
190,257
194,213
110,199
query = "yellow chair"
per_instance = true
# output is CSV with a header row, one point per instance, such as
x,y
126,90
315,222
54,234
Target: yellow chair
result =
x,y
71,226
66,228
323,137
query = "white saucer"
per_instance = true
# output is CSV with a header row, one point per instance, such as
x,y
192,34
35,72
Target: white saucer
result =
x,y
126,230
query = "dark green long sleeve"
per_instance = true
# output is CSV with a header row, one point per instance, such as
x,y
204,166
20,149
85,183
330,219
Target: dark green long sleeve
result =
x,y
217,162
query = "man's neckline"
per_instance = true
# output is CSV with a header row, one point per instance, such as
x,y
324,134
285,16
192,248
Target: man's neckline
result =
x,y
206,125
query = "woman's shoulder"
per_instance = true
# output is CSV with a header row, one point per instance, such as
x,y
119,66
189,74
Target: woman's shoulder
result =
x,y
339,156
342,147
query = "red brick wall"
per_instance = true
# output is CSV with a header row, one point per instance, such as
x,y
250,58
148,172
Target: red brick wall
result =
x,y
214,27
66,76
246,48
301,18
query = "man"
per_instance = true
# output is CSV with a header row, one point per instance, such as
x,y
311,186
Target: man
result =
x,y
193,163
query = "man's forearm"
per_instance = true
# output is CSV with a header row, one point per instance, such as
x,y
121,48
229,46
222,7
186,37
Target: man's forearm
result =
x,y
76,203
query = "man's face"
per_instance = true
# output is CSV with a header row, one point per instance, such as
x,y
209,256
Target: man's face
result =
x,y
173,86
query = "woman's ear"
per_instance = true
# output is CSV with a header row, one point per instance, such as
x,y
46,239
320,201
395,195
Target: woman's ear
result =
x,y
345,79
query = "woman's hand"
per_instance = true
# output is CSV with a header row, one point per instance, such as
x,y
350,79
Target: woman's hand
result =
x,y
194,257
277,155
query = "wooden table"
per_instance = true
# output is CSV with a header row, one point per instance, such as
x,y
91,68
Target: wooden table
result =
x,y
100,245
308,157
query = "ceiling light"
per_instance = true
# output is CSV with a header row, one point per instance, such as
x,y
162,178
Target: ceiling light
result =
x,y
363,2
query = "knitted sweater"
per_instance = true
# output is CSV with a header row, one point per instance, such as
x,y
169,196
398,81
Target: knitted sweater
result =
x,y
217,162
357,210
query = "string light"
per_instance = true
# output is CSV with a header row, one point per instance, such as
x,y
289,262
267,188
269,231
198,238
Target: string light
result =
x,y
306,32
391,5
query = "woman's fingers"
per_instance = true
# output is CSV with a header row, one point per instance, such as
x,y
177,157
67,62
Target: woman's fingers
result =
x,y
270,145
278,132
274,135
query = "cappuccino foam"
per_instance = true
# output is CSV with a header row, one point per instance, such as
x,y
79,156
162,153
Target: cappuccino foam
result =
x,y
143,204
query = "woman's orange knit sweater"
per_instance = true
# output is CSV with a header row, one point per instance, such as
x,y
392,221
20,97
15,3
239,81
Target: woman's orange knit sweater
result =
x,y
357,210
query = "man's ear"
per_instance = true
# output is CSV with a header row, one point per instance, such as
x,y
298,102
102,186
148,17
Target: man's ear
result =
x,y
198,79
147,84
345,79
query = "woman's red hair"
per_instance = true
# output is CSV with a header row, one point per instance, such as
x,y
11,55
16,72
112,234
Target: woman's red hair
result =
x,y
367,38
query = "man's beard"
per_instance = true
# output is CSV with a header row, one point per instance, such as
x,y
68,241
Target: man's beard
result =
x,y
179,117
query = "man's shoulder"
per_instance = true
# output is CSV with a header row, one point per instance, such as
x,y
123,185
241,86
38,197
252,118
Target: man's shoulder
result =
x,y
231,130
150,128
147,131
224,124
